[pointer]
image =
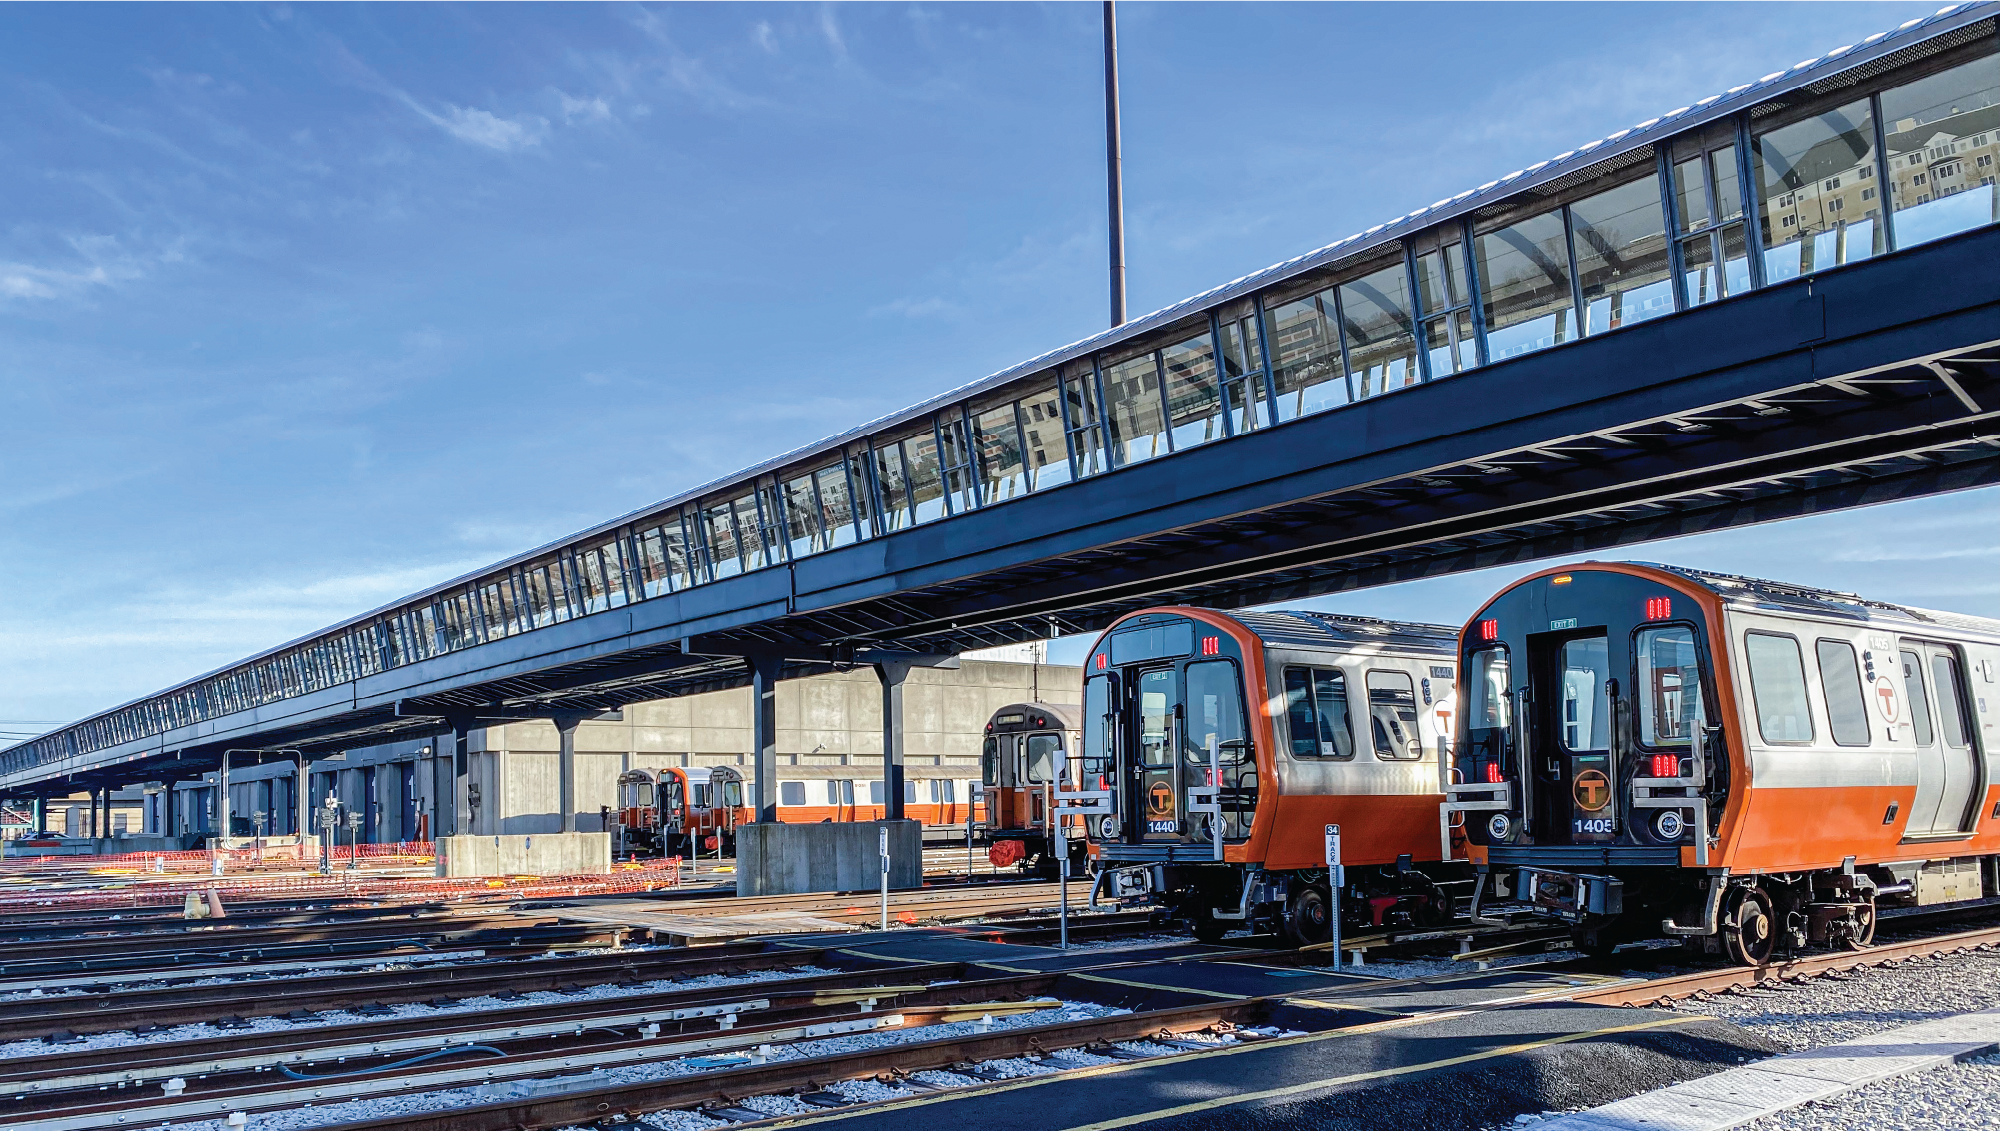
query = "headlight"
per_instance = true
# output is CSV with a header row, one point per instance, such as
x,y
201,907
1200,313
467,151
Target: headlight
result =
x,y
1108,828
1497,826
1668,826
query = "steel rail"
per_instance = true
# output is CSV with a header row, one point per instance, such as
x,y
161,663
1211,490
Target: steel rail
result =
x,y
1661,991
182,1005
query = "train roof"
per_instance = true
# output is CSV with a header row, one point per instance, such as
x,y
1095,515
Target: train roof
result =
x,y
1305,626
1780,596
1068,716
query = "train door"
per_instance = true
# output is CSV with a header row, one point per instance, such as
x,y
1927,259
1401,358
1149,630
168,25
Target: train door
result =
x,y
1155,773
1935,688
1574,800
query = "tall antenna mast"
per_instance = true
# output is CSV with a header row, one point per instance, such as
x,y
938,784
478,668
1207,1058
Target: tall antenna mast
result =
x,y
1114,176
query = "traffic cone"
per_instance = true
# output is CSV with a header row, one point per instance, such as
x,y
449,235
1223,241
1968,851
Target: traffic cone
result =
x,y
192,908
214,905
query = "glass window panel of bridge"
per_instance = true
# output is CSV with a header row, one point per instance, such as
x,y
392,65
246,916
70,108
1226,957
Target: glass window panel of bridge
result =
x,y
997,439
1194,403
1243,374
803,530
1133,408
496,608
1810,176
1525,286
719,532
1620,242
955,461
837,505
1376,317
1305,355
923,475
1044,455
651,563
1709,209
1449,343
891,489
771,521
750,533
1941,139
1086,431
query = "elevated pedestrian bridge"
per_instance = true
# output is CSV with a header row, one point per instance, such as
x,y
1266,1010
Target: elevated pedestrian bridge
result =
x,y
1778,301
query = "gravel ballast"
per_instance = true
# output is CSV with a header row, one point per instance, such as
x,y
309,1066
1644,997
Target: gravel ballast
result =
x,y
1836,1007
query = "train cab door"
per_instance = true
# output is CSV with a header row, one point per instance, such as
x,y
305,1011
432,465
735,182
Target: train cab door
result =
x,y
1154,775
1041,762
1948,760
673,810
1575,796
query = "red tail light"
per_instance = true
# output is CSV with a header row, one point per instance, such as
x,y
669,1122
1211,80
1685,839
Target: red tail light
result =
x,y
1659,608
1101,662
1493,773
1490,629
1666,766
1212,645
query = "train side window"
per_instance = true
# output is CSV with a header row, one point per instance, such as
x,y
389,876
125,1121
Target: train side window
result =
x,y
1044,750
847,791
1393,716
944,791
1215,708
792,793
1316,711
833,792
1951,712
701,797
1914,691
1778,684
1671,681
1841,690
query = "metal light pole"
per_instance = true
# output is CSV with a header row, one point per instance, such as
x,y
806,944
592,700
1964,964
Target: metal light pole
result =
x,y
1114,175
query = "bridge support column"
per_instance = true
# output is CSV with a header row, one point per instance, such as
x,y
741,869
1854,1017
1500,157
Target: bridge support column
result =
x,y
892,668
41,817
222,797
461,823
892,675
167,825
566,769
764,733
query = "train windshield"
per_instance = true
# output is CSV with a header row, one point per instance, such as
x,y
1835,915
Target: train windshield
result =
x,y
990,761
1215,713
638,794
1671,685
1045,753
1488,699
1097,751
732,795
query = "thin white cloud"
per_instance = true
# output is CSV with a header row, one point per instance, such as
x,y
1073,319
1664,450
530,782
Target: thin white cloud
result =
x,y
583,109
830,28
916,307
97,261
762,35
485,128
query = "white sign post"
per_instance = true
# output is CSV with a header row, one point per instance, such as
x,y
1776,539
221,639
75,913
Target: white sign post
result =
x,y
882,849
1334,890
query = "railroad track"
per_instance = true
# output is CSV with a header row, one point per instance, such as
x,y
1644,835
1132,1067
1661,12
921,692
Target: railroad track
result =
x,y
1662,991
717,1092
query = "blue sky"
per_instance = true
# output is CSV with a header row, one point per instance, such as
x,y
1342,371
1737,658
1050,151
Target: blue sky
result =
x,y
304,308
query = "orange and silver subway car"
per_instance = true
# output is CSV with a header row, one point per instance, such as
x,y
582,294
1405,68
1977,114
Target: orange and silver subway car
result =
x,y
1649,751
679,810
1228,741
1023,759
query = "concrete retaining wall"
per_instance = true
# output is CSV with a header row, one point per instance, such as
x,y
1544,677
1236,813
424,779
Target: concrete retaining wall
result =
x,y
782,859
543,854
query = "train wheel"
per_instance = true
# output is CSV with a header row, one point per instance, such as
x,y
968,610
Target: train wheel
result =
x,y
1865,927
1749,932
1207,928
1309,919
